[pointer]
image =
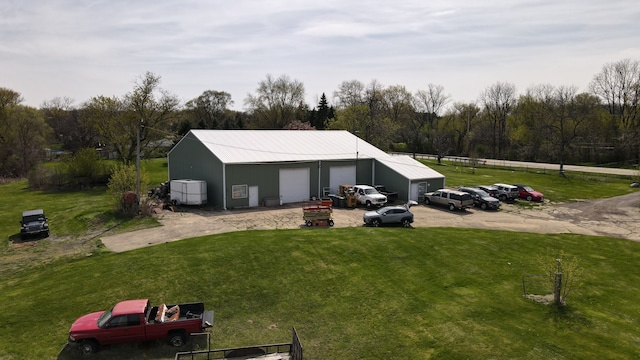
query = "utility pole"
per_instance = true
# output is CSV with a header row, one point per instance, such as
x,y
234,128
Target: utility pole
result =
x,y
356,134
138,163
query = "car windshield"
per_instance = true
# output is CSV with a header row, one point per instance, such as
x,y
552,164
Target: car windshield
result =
x,y
528,188
482,193
33,218
104,318
382,211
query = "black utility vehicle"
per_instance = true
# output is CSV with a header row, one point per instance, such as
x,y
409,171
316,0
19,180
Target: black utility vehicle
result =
x,y
34,222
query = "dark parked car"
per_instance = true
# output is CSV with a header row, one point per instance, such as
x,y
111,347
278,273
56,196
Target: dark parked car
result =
x,y
527,192
33,222
489,189
390,215
481,198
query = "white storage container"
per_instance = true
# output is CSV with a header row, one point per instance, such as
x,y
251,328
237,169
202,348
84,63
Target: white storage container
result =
x,y
188,192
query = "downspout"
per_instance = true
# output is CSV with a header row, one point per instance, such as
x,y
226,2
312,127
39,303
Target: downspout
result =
x,y
320,195
373,172
224,186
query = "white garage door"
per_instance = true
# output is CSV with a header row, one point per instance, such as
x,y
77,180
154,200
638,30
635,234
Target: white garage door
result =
x,y
294,185
341,175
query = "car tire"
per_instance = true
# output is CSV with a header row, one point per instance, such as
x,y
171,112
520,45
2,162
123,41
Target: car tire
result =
x,y
529,198
483,206
369,204
452,207
426,201
406,223
375,222
330,222
177,339
503,197
308,223
88,347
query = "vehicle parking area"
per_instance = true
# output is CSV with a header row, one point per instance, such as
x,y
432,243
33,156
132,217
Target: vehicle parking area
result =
x,y
617,217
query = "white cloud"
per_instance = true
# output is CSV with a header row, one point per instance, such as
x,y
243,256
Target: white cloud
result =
x,y
81,49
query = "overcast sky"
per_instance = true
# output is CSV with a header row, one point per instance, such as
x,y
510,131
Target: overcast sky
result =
x,y
80,49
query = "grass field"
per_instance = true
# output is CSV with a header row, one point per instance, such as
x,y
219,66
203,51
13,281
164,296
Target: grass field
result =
x,y
359,293
356,293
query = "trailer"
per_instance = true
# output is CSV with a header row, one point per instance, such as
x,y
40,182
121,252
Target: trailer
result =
x,y
317,213
188,192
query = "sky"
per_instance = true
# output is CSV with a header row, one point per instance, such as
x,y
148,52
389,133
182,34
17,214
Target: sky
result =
x,y
79,49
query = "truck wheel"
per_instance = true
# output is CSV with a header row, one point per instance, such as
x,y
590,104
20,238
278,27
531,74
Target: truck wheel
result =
x,y
368,204
308,223
452,207
177,339
330,222
483,206
88,347
426,201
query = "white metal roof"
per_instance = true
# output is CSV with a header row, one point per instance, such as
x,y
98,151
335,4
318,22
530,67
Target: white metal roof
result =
x,y
409,167
259,146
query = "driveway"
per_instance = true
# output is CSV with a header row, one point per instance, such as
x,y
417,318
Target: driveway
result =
x,y
616,217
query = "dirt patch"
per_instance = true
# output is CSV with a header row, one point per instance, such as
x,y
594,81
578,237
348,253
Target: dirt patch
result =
x,y
616,217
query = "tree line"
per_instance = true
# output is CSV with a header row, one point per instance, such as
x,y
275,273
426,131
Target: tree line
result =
x,y
545,123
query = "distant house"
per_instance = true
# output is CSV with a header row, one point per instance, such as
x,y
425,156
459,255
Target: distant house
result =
x,y
246,168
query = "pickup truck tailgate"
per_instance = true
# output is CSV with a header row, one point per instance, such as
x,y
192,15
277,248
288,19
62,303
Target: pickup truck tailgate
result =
x,y
207,319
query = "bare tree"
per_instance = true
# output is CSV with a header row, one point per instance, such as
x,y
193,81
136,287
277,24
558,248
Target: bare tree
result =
x,y
618,85
429,104
277,102
498,101
349,93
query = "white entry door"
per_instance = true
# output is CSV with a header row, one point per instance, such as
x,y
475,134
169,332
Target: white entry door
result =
x,y
254,197
294,185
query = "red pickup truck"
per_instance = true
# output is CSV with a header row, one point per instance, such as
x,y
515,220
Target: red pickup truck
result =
x,y
137,320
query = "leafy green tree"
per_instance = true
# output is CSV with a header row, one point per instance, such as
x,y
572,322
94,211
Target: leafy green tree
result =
x,y
210,110
148,112
24,138
277,102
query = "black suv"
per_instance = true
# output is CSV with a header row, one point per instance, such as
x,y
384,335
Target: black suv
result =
x,y
481,198
34,222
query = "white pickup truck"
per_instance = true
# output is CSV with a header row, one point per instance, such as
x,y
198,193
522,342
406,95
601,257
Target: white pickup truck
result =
x,y
369,196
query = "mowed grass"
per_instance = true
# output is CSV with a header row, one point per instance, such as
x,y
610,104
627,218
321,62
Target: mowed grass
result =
x,y
360,293
357,293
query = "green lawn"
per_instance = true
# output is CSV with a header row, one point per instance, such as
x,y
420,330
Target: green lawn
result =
x,y
355,293
359,293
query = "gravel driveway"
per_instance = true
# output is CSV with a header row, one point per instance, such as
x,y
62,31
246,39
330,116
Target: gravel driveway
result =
x,y
616,217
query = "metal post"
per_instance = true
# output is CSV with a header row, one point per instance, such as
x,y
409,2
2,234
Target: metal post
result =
x,y
138,163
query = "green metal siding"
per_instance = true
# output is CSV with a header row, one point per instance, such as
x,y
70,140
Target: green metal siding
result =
x,y
396,182
190,159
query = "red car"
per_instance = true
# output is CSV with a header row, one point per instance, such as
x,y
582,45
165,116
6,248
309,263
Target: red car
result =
x,y
526,192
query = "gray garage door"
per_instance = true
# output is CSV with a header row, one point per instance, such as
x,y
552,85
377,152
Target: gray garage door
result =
x,y
294,185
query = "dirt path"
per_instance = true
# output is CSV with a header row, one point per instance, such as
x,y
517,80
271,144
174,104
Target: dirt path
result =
x,y
617,217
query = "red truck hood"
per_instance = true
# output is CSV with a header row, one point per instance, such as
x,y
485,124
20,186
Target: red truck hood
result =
x,y
87,322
